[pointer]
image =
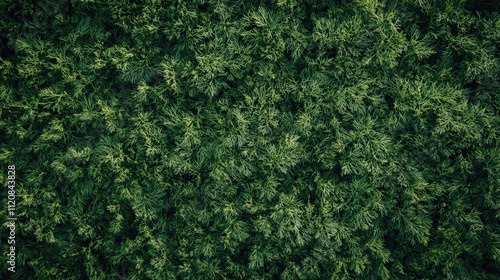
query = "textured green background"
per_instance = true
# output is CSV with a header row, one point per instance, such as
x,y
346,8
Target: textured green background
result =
x,y
289,139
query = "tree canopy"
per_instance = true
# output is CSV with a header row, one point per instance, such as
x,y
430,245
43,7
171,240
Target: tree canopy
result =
x,y
246,139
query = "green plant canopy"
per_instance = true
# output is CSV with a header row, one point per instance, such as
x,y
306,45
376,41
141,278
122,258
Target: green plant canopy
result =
x,y
245,139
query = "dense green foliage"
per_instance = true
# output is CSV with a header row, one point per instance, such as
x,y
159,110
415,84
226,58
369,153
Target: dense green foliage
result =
x,y
244,139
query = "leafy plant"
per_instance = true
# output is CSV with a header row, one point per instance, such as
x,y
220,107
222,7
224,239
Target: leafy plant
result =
x,y
217,139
